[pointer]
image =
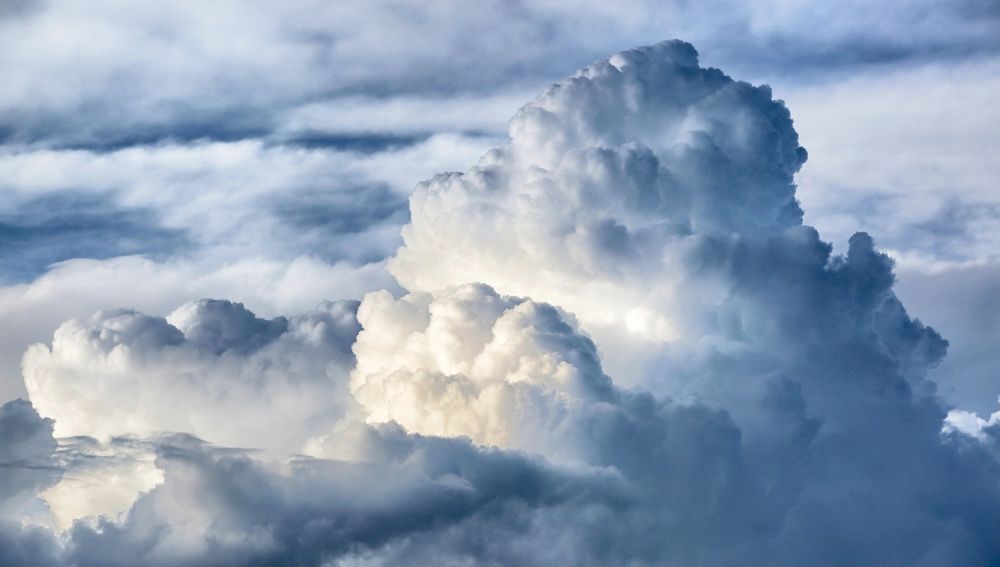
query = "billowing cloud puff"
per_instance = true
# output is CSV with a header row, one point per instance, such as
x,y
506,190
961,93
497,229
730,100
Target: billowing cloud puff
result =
x,y
211,368
605,177
467,361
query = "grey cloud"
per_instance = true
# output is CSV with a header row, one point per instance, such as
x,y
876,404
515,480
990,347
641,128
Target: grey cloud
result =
x,y
325,223
279,58
39,231
28,465
27,451
358,142
964,302
315,512
20,545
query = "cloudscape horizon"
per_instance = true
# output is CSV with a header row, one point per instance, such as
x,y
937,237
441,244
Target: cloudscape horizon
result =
x,y
615,333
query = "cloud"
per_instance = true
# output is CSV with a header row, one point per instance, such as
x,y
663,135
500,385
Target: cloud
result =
x,y
29,465
661,365
78,288
964,303
873,158
64,225
467,362
310,511
27,451
654,201
689,151
242,380
301,224
82,75
343,80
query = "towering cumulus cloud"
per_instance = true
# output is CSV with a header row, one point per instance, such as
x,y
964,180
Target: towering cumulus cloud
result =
x,y
607,176
618,345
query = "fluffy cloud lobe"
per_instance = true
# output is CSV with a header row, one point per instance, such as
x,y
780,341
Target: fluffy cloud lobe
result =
x,y
211,369
619,345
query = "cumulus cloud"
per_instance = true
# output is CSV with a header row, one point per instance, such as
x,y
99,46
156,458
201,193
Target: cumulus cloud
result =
x,y
661,365
654,200
967,377
245,133
276,227
605,177
241,380
467,362
77,288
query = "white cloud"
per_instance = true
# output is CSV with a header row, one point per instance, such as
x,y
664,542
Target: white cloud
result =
x,y
81,72
76,289
100,479
468,362
687,150
231,199
277,227
211,369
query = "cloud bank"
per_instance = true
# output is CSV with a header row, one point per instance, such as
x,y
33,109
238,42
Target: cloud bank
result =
x,y
618,344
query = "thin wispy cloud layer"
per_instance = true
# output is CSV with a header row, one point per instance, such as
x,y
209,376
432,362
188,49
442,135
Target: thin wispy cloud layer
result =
x,y
611,340
106,76
62,225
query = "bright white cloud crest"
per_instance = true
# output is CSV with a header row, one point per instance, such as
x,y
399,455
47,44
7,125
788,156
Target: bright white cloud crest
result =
x,y
606,177
211,368
465,361
641,226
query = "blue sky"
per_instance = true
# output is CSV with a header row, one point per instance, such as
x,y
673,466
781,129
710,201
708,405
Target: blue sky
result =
x,y
156,154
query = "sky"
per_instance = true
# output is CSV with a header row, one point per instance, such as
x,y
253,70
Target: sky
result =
x,y
453,283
